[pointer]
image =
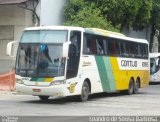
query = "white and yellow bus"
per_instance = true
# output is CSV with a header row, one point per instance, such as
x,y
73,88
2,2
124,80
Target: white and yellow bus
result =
x,y
154,67
66,61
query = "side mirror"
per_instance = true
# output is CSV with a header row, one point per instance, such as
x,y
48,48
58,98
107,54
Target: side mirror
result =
x,y
12,49
65,49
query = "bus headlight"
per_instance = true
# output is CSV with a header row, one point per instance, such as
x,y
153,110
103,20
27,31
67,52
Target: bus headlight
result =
x,y
19,81
57,82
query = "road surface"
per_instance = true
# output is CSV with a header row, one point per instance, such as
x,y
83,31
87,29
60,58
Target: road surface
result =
x,y
146,103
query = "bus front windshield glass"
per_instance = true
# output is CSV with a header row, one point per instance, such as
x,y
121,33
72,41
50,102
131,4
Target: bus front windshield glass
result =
x,y
40,58
152,65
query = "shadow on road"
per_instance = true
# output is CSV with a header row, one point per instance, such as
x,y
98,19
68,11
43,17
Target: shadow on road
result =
x,y
154,83
74,99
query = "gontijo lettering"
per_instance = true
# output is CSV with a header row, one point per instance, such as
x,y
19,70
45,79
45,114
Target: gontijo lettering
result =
x,y
128,63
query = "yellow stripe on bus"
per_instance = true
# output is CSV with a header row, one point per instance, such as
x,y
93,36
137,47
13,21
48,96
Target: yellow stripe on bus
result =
x,y
122,77
49,79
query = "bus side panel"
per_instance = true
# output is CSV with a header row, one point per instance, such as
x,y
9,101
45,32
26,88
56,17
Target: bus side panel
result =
x,y
146,76
122,77
90,71
105,73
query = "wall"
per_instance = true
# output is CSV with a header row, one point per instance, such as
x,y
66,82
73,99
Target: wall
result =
x,y
13,20
52,12
144,34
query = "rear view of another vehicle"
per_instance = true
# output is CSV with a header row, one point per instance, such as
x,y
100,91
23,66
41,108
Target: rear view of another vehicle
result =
x,y
154,67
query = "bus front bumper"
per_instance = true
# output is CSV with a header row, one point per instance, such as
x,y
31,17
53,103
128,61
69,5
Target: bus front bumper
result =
x,y
57,90
154,78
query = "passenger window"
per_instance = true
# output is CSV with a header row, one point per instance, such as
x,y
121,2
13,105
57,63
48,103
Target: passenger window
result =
x,y
100,47
131,50
105,44
92,46
136,50
113,48
89,44
123,49
142,51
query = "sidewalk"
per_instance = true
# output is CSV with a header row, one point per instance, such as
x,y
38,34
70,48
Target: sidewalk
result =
x,y
8,93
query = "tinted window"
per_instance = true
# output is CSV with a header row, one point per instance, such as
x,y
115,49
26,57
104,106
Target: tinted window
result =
x,y
74,54
99,45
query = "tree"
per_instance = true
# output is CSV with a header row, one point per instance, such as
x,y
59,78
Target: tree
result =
x,y
126,13
117,14
155,20
85,14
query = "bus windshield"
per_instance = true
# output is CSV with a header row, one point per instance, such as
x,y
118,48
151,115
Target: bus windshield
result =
x,y
40,58
44,36
152,66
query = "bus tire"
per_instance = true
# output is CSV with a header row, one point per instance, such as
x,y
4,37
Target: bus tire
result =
x,y
130,87
84,92
44,98
136,86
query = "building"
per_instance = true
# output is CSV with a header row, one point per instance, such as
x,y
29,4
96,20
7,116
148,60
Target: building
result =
x,y
15,15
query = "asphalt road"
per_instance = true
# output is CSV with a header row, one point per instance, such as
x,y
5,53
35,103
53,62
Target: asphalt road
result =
x,y
146,103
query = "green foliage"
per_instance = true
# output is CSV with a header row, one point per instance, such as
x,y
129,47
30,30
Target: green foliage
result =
x,y
85,14
127,13
143,15
155,19
112,14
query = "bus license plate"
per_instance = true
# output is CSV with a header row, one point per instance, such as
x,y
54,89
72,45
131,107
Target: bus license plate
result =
x,y
36,90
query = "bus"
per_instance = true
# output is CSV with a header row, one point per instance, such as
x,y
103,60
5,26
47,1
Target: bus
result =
x,y
154,67
74,61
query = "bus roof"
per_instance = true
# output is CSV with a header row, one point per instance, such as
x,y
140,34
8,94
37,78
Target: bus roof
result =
x,y
55,28
154,55
102,32
95,31
113,35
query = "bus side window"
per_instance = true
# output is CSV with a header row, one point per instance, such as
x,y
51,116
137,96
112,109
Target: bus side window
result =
x,y
146,51
113,48
92,46
105,44
132,50
100,47
89,45
136,50
85,47
110,49
123,49
127,49
142,50
139,52
117,45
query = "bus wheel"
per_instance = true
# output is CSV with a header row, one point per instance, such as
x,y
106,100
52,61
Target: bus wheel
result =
x,y
44,98
136,86
130,87
85,92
